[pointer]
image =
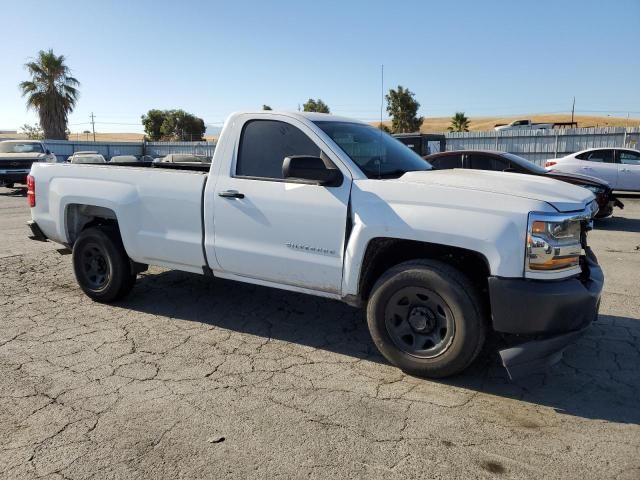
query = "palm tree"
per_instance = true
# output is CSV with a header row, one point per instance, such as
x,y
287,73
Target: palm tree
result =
x,y
51,92
459,123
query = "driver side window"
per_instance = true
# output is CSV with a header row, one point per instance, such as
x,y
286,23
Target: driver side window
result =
x,y
265,143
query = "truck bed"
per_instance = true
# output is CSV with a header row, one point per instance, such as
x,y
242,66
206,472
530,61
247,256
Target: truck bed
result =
x,y
161,208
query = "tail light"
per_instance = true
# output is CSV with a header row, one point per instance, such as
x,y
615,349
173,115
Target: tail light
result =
x,y
31,191
550,163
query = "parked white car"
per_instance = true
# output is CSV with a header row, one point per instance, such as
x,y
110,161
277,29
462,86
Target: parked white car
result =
x,y
124,159
620,167
86,157
332,207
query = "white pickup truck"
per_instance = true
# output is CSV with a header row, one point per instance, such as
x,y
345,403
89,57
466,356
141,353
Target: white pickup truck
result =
x,y
332,207
524,125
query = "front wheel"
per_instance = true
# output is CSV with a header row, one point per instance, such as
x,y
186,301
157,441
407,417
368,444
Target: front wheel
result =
x,y
425,317
102,267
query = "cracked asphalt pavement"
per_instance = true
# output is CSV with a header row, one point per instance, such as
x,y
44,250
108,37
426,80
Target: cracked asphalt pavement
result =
x,y
196,378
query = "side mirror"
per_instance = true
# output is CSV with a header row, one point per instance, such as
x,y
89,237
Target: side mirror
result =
x,y
47,151
315,169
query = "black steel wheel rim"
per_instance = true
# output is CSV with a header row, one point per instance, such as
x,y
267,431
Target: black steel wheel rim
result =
x,y
419,322
95,266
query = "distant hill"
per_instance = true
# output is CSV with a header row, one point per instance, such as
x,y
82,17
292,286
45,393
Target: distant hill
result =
x,y
430,125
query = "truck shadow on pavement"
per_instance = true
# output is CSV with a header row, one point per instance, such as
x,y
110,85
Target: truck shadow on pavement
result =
x,y
597,379
618,224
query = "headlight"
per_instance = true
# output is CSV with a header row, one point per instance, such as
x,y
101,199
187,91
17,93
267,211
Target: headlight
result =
x,y
553,245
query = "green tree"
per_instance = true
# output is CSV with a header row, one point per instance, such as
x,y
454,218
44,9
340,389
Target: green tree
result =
x,y
312,105
33,132
384,128
152,123
459,123
52,92
173,125
266,107
403,109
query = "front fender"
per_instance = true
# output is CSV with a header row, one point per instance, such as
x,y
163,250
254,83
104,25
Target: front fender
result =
x,y
477,221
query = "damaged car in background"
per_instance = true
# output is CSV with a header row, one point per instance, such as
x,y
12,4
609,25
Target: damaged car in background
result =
x,y
16,158
508,162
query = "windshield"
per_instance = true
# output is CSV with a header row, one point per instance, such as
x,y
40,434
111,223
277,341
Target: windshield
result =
x,y
17,147
377,153
524,163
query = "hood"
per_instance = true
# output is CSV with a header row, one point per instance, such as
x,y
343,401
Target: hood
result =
x,y
22,156
563,196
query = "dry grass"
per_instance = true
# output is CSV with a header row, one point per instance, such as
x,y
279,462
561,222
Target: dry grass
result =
x,y
478,124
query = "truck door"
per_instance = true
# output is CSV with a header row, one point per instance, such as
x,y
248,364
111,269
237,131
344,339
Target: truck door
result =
x,y
272,229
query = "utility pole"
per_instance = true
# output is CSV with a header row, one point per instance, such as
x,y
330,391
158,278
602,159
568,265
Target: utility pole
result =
x,y
381,93
93,126
573,107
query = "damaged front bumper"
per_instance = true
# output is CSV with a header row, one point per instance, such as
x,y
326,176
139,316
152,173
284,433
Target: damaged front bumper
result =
x,y
550,315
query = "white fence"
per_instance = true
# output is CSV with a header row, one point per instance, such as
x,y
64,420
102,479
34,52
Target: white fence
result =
x,y
539,145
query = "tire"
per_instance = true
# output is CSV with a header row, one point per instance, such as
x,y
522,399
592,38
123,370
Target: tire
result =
x,y
101,265
426,318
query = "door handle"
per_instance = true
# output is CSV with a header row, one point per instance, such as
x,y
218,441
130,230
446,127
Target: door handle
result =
x,y
587,168
624,169
231,194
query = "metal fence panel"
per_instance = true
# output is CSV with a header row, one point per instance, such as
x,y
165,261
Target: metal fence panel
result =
x,y
534,145
540,145
160,149
65,148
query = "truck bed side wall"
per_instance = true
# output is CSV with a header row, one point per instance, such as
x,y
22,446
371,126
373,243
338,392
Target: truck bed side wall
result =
x,y
158,211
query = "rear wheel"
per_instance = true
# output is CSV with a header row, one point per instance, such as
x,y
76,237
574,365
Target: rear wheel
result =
x,y
103,269
426,318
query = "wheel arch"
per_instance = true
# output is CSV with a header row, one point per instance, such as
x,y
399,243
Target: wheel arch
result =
x,y
383,253
79,217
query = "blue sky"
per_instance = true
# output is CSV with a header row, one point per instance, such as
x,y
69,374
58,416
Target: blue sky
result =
x,y
212,58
